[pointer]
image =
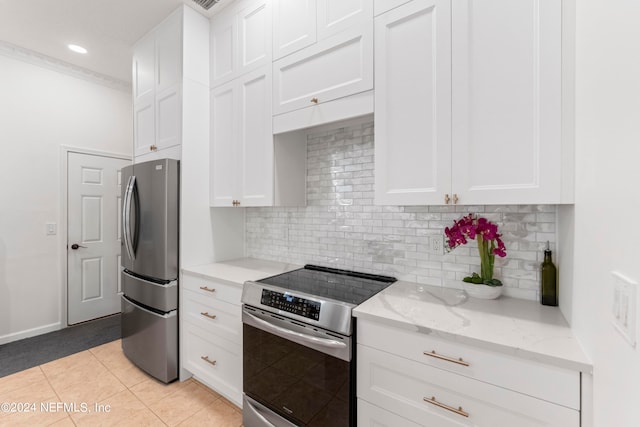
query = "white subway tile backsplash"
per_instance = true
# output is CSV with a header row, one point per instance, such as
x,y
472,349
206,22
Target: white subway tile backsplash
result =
x,y
342,227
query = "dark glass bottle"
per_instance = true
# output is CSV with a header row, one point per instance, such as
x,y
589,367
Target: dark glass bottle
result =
x,y
549,277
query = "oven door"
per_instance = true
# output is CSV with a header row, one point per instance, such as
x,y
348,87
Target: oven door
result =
x,y
295,374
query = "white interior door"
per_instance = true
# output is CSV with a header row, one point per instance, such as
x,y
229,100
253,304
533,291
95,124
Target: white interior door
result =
x,y
93,236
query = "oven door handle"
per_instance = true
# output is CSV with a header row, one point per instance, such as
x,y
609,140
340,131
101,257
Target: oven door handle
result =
x,y
304,337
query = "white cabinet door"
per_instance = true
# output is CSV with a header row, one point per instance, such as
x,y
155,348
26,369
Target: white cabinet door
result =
x,y
382,6
240,40
294,26
413,104
338,15
224,145
223,47
254,36
373,416
507,101
256,138
169,117
336,67
242,141
169,53
144,123
144,68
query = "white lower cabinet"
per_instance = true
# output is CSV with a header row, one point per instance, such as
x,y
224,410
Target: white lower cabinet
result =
x,y
212,334
406,378
214,361
374,416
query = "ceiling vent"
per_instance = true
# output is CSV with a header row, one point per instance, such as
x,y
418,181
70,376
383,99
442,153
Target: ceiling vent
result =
x,y
207,4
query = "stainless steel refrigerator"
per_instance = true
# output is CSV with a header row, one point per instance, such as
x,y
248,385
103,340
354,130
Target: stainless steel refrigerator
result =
x,y
150,210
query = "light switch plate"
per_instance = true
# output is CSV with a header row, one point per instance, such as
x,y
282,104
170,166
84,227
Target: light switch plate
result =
x,y
52,228
623,307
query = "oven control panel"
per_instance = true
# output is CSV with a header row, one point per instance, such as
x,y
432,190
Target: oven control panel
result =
x,y
291,304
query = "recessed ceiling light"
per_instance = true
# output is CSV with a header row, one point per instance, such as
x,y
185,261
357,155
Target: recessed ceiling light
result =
x,y
77,49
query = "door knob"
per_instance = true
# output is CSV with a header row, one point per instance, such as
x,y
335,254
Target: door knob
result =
x,y
75,246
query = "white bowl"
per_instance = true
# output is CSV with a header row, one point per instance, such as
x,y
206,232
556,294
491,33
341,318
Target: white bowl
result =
x,y
482,291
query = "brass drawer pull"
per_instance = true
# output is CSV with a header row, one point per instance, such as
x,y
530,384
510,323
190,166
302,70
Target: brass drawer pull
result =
x,y
433,353
447,199
458,411
206,359
210,316
314,100
455,199
153,148
205,288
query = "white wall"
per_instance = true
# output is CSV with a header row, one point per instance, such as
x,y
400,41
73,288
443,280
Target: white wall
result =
x,y
607,205
40,110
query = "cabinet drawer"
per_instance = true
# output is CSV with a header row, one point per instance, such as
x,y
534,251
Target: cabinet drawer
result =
x,y
373,416
214,361
432,396
336,67
214,289
219,317
547,382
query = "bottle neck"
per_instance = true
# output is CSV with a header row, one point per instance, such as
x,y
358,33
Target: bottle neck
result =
x,y
547,256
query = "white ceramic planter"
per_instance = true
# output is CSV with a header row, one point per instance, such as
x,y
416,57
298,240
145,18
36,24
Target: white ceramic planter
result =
x,y
482,291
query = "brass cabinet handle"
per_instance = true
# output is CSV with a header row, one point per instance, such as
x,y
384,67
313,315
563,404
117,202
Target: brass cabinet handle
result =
x,y
447,199
153,147
206,359
206,288
314,100
210,316
455,199
458,411
433,353
236,203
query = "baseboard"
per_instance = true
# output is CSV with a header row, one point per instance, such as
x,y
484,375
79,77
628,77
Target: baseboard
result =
x,y
4,339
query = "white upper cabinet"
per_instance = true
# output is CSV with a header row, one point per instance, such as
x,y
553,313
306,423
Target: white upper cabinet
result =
x,y
169,53
338,15
173,53
506,92
240,40
469,104
242,142
336,67
157,78
323,51
413,103
294,26
144,67
301,23
382,6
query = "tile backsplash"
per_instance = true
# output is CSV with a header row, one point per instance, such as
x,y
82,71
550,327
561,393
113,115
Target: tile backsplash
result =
x,y
341,226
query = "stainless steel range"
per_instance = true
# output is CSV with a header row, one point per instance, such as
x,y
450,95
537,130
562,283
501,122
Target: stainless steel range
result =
x,y
299,346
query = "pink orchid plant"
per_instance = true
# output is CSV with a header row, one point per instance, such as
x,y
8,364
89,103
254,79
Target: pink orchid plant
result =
x,y
485,232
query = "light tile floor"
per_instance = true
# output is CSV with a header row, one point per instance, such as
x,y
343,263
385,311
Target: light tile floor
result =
x,y
102,378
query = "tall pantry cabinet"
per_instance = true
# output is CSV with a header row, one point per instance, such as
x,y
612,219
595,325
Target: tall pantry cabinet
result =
x,y
170,76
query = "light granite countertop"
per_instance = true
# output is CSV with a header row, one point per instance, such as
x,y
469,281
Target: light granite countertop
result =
x,y
511,326
240,270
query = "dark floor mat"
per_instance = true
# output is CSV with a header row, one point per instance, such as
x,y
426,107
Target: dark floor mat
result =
x,y
24,354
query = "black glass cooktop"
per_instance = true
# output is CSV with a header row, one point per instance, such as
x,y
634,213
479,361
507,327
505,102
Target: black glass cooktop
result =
x,y
324,282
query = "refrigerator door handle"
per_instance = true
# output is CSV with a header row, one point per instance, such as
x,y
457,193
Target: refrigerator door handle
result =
x,y
126,217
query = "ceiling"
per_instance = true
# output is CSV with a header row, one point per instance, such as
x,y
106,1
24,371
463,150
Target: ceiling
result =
x,y
108,29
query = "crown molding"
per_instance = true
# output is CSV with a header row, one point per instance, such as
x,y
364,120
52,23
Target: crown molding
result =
x,y
51,63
